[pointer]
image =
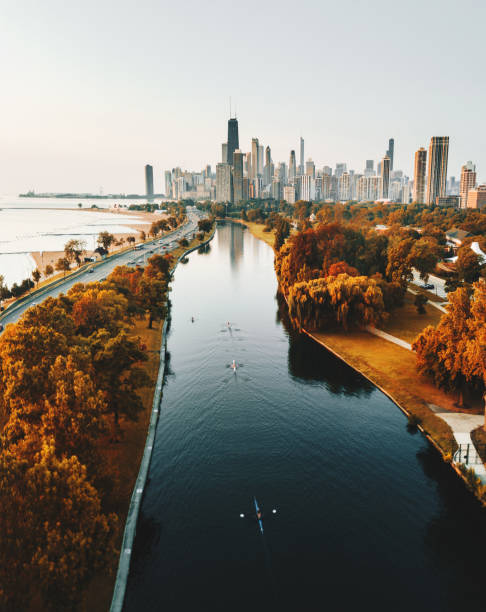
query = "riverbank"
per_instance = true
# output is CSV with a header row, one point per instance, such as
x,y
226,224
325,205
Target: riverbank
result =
x,y
127,455
392,369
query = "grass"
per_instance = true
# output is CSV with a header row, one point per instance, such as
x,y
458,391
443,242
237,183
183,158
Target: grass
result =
x,y
393,369
406,323
257,230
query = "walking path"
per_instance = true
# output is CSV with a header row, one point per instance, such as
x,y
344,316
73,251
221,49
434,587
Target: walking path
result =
x,y
389,337
462,425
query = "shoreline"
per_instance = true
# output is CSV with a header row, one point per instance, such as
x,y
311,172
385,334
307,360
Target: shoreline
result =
x,y
422,416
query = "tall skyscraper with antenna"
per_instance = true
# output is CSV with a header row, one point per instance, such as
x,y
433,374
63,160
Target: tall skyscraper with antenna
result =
x,y
292,168
233,140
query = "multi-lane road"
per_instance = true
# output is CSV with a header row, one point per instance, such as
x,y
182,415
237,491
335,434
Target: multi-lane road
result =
x,y
99,271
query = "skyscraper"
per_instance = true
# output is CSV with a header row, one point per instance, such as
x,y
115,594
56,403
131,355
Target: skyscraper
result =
x,y
468,181
385,177
149,181
310,168
420,166
224,153
301,167
369,168
267,170
237,176
254,158
437,168
233,141
391,151
168,183
292,168
260,161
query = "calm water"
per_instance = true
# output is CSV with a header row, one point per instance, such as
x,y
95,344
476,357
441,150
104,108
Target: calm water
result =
x,y
369,518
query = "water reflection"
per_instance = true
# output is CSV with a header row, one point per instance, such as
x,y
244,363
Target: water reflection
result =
x,y
310,362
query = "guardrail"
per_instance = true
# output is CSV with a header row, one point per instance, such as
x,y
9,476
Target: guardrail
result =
x,y
136,499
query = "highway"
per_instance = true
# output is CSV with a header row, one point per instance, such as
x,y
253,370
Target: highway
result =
x,y
99,271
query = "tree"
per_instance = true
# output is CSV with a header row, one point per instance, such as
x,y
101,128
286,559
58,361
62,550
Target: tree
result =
x,y
204,225
36,276
143,235
74,250
420,301
152,299
49,270
105,240
424,256
183,242
54,536
63,265
468,265
3,288
131,239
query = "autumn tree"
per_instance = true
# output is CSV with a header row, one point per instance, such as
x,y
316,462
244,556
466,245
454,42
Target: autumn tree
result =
x,y
48,271
468,265
105,240
74,250
424,257
55,537
36,276
63,265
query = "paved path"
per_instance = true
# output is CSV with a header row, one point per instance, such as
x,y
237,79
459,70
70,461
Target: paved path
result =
x,y
439,284
462,425
100,271
389,337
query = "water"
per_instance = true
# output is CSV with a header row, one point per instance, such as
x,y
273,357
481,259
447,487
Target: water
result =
x,y
369,517
26,226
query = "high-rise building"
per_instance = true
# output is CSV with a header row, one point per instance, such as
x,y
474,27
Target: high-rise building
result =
x,y
340,168
168,183
420,166
149,181
476,198
276,190
223,183
390,152
233,141
224,153
468,181
237,176
289,194
327,170
254,158
301,166
260,160
292,168
369,168
437,168
385,177
344,187
310,168
326,186
267,170
307,188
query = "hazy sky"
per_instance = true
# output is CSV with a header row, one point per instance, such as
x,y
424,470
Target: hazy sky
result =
x,y
92,90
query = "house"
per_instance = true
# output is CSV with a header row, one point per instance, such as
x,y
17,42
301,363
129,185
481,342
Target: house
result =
x,y
455,237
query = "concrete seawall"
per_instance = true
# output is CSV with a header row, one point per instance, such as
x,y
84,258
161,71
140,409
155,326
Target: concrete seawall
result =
x,y
137,494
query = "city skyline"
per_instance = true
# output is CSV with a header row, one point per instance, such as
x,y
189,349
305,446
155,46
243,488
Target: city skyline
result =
x,y
83,111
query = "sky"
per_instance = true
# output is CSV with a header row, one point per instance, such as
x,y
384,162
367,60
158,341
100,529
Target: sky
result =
x,y
92,90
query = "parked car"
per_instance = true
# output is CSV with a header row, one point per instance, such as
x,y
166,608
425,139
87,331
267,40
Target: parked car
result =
x,y
90,271
427,286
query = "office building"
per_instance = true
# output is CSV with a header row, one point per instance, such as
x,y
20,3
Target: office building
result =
x,y
224,153
292,168
307,188
260,160
420,166
254,158
340,168
476,198
391,151
276,190
369,168
327,170
437,168
149,181
344,187
449,201
223,183
267,169
468,181
233,140
385,177
310,168
301,166
168,183
289,194
237,176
